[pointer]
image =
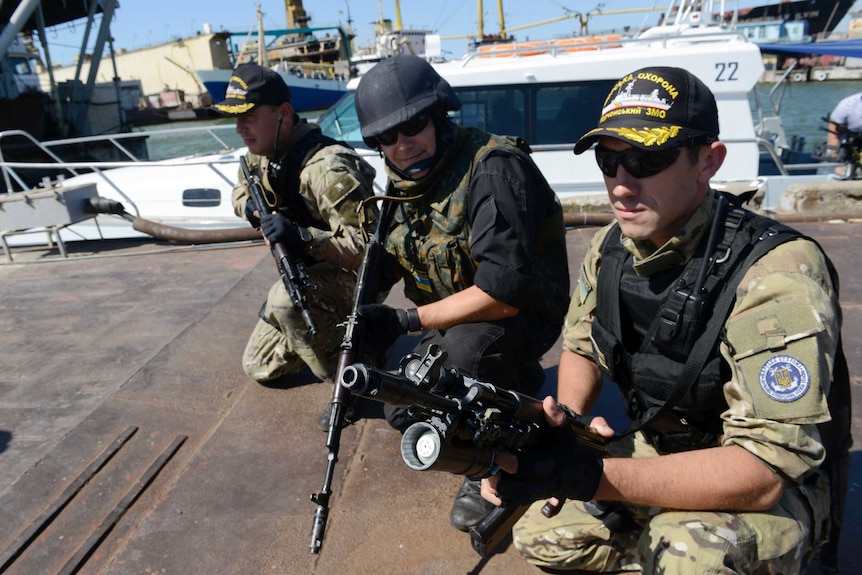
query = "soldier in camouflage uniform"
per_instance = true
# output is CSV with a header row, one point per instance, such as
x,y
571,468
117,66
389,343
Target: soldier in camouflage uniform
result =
x,y
727,480
321,184
477,237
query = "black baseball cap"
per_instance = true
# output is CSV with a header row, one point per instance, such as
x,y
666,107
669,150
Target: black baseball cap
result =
x,y
655,109
250,85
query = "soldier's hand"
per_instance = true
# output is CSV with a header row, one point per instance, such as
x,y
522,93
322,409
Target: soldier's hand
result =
x,y
279,229
384,324
251,215
560,468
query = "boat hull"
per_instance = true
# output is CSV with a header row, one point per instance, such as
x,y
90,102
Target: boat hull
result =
x,y
305,93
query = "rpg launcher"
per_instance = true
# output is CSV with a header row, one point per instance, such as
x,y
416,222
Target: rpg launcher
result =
x,y
292,269
462,424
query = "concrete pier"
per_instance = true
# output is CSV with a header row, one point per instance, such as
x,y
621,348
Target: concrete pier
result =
x,y
131,442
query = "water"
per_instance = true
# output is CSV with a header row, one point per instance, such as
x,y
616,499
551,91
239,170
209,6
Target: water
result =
x,y
804,104
189,138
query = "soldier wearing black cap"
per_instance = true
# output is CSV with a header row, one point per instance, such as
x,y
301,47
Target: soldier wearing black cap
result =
x,y
721,329
478,239
320,183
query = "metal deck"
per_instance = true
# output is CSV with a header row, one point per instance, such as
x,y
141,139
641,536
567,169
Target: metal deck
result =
x,y
131,442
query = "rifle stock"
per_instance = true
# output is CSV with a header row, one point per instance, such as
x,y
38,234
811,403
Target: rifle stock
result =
x,y
364,292
292,269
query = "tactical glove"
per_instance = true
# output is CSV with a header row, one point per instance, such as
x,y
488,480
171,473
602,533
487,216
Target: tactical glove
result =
x,y
561,468
279,229
385,324
250,215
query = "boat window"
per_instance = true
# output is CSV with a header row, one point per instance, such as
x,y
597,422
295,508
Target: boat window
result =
x,y
566,112
498,111
546,114
341,123
21,66
201,198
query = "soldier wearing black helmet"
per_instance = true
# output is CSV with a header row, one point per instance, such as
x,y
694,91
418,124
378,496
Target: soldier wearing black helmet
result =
x,y
478,239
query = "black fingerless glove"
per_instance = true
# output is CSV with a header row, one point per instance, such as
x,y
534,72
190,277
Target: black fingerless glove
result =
x,y
384,324
561,468
250,216
279,229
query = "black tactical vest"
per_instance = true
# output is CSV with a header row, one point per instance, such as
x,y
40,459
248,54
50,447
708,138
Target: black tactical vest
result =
x,y
672,324
646,329
283,175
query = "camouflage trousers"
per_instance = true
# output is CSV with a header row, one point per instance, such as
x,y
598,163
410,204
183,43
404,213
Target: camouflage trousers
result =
x,y
281,343
779,541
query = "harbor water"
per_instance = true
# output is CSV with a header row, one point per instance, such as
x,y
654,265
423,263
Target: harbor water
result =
x,y
804,105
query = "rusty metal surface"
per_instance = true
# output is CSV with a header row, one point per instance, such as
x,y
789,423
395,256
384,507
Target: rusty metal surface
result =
x,y
148,345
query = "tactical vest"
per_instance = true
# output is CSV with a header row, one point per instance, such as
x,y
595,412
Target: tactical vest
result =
x,y
641,365
686,331
430,237
283,175
673,318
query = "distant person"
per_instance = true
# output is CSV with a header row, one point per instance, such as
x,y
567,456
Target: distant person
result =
x,y
846,117
720,328
478,239
321,183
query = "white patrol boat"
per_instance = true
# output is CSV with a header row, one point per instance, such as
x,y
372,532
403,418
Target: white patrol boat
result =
x,y
551,92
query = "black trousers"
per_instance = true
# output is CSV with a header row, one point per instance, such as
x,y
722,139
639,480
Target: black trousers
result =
x,y
493,352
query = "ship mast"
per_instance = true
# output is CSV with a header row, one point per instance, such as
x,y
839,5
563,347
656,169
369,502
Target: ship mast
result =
x,y
398,24
262,58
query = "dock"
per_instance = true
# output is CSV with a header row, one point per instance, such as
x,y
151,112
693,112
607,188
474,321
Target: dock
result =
x,y
131,442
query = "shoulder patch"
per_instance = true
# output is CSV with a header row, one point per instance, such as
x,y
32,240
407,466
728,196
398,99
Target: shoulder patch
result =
x,y
584,286
784,378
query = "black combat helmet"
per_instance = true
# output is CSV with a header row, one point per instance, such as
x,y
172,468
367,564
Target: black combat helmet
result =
x,y
397,89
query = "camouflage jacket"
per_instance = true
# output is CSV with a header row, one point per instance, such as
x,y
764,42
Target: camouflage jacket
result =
x,y
332,183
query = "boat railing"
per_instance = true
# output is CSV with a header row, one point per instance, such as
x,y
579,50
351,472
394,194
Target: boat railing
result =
x,y
51,162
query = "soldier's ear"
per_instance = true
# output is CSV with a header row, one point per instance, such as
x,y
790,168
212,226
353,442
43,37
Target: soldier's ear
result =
x,y
711,161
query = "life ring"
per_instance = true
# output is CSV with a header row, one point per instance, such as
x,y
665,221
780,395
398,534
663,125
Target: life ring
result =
x,y
543,47
494,50
798,77
820,75
587,43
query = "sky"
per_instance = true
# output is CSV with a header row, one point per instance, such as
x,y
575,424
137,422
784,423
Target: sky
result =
x,y
139,23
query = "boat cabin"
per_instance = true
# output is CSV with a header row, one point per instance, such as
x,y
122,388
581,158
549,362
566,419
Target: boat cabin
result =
x,y
550,93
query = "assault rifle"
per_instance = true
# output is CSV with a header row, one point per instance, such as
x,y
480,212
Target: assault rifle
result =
x,y
462,424
292,269
847,152
365,292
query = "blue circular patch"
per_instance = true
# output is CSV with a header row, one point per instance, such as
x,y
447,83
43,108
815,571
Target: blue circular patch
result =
x,y
784,378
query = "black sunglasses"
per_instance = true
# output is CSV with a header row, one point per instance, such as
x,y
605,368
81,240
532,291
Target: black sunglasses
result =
x,y
638,163
409,128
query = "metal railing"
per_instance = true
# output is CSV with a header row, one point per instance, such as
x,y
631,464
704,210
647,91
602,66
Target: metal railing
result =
x,y
45,156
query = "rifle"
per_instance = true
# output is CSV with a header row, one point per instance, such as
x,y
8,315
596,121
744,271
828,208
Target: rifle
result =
x,y
292,269
364,292
462,423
